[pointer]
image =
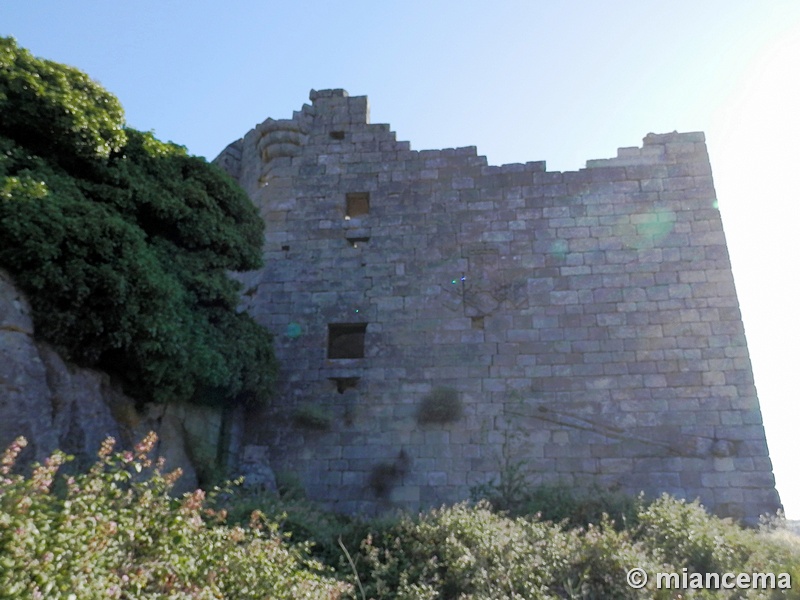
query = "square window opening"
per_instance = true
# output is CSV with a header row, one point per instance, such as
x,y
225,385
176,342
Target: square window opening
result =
x,y
356,204
346,340
337,135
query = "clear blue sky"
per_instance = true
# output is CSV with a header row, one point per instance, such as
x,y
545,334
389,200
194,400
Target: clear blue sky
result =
x,y
561,81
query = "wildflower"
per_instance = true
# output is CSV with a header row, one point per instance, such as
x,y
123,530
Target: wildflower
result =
x,y
146,446
237,535
171,478
43,474
194,501
11,454
106,447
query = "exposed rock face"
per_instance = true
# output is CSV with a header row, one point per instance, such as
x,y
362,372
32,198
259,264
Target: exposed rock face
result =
x,y
56,405
25,401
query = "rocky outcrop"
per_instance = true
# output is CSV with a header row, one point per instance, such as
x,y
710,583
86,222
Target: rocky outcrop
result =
x,y
57,405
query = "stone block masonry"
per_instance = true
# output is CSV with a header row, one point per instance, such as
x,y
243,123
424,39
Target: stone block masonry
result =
x,y
439,319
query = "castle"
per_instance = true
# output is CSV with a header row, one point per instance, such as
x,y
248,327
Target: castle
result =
x,y
440,321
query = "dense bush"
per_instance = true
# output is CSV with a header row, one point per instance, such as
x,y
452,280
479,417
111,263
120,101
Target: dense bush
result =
x,y
514,495
114,532
463,552
122,243
685,535
470,552
312,416
302,520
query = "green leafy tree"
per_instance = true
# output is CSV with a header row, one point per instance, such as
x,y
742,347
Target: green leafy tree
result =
x,y
123,242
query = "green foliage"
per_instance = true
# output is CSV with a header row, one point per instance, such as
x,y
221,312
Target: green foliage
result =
x,y
685,535
776,548
56,111
582,508
442,405
122,242
312,416
471,552
290,486
598,561
462,552
115,532
513,494
510,492
301,520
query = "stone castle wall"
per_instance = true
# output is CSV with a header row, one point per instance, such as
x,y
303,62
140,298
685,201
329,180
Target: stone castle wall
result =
x,y
584,325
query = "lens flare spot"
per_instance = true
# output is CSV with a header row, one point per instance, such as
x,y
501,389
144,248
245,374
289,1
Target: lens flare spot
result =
x,y
648,229
294,330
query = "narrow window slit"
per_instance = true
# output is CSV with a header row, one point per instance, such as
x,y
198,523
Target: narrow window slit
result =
x,y
358,242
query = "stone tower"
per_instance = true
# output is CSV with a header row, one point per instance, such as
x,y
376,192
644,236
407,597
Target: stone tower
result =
x,y
439,320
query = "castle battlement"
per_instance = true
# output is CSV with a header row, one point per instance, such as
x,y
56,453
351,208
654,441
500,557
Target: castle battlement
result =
x,y
438,319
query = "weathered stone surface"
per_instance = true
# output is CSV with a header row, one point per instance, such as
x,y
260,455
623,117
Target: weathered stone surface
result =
x,y
56,405
588,321
25,397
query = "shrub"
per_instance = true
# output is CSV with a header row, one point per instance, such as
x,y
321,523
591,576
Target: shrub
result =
x,y
442,405
684,534
776,549
115,532
581,508
299,519
470,552
290,485
312,416
123,243
462,552
578,507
